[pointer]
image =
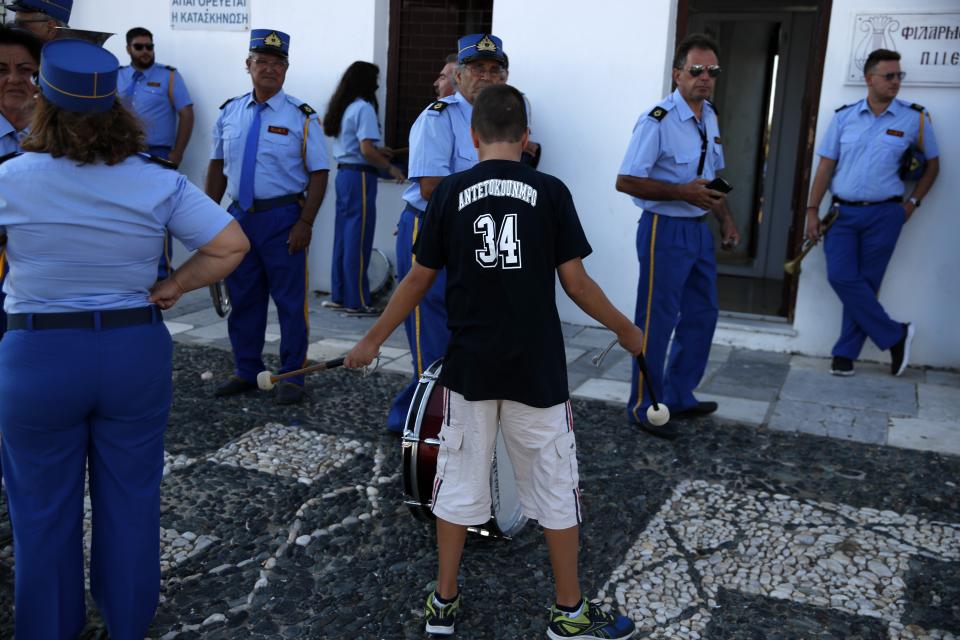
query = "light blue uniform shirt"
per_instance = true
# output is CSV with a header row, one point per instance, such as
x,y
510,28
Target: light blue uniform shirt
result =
x,y
284,162
156,95
359,123
440,144
868,149
83,237
10,137
669,150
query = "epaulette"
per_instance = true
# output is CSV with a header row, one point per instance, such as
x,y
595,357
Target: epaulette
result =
x,y
841,108
658,113
169,68
12,154
917,107
714,107
307,109
229,100
163,162
438,106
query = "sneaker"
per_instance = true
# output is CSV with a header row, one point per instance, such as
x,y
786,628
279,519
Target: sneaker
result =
x,y
841,366
703,408
234,386
362,312
439,617
900,352
288,393
331,304
593,622
667,431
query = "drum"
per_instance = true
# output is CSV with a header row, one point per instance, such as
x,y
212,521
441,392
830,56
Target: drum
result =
x,y
220,298
379,273
421,444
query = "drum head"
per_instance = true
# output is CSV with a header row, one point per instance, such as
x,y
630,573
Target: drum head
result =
x,y
379,273
507,512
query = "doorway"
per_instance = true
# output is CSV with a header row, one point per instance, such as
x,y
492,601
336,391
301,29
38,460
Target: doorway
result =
x,y
771,52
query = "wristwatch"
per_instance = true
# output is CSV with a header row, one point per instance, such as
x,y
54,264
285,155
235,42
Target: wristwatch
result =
x,y
914,201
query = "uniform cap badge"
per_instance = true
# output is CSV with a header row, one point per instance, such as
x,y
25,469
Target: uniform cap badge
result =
x,y
486,44
273,40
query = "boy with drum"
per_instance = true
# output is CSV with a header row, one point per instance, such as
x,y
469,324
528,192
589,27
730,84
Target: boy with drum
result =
x,y
502,230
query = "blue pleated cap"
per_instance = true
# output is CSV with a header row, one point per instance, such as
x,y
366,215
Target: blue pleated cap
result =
x,y
270,41
78,76
477,46
57,9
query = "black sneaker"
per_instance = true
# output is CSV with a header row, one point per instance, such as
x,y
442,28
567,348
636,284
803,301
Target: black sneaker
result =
x,y
234,386
900,352
362,312
667,431
439,618
288,393
841,366
704,408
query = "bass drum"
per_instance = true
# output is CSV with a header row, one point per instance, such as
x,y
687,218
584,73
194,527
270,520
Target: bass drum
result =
x,y
421,444
379,274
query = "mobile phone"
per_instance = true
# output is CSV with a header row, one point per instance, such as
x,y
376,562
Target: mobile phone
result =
x,y
721,185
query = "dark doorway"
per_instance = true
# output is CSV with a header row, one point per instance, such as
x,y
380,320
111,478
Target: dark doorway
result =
x,y
772,53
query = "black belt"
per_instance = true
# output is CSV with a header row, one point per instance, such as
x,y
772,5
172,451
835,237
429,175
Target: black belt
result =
x,y
864,203
358,167
112,319
272,203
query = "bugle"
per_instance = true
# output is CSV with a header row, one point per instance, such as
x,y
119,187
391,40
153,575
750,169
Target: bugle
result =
x,y
792,267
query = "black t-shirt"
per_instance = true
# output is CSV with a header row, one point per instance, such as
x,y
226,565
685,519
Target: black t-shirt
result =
x,y
501,229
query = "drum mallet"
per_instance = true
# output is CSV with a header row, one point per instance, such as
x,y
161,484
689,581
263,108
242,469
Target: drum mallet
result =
x,y
658,414
267,379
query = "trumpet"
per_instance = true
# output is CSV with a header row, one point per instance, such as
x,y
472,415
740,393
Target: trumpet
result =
x,y
792,267
221,298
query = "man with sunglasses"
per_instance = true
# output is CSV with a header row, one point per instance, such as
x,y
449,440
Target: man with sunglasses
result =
x,y
41,17
860,162
674,153
440,144
159,97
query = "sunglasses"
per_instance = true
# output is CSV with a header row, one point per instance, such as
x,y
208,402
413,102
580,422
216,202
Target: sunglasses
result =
x,y
889,77
713,70
140,46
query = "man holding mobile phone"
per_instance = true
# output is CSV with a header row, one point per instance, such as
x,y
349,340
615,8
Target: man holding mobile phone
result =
x,y
673,155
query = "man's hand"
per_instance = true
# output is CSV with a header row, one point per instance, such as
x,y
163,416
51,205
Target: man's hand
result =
x,y
814,228
697,194
908,209
362,354
165,293
729,235
300,236
396,173
176,157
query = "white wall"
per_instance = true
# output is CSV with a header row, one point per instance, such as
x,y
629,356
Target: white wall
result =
x,y
326,36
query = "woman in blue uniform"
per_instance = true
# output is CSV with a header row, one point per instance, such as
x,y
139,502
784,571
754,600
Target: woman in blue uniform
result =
x,y
351,120
85,365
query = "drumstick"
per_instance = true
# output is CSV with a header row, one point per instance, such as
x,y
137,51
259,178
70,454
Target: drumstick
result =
x,y
267,379
658,414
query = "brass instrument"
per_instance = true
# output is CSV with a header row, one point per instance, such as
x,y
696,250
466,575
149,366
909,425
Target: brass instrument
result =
x,y
792,267
221,298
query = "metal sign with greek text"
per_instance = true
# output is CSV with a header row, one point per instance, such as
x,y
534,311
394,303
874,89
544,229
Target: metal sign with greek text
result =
x,y
929,44
210,15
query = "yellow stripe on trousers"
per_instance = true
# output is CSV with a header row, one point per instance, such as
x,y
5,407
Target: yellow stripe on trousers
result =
x,y
646,324
363,232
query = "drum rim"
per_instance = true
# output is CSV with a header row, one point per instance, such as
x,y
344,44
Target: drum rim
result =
x,y
387,274
411,437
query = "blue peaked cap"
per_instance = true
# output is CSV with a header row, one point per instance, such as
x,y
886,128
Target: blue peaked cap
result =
x,y
57,9
270,41
477,46
78,76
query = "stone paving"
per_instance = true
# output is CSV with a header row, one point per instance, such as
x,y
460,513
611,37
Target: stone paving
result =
x,y
289,523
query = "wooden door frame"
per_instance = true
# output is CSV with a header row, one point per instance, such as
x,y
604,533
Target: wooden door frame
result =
x,y
805,144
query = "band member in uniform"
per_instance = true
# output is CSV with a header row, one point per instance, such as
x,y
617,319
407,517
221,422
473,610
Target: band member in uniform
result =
x,y
860,161
42,17
440,144
19,61
351,120
269,157
86,363
674,153
503,232
159,97
445,84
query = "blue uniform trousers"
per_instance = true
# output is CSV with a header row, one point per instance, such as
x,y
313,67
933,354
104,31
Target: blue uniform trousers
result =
x,y
3,296
426,327
268,270
89,400
858,248
165,266
353,237
677,294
